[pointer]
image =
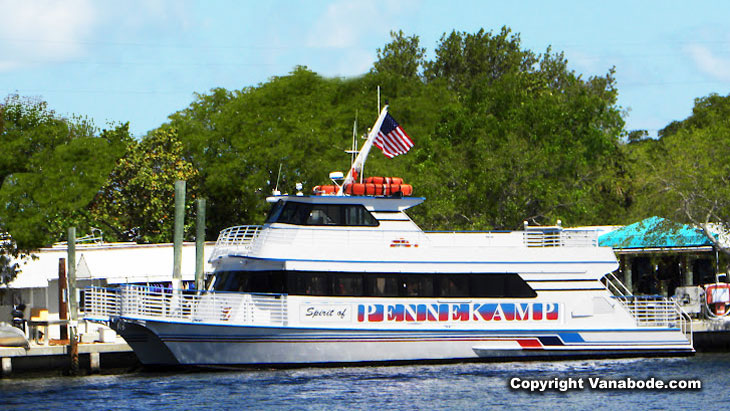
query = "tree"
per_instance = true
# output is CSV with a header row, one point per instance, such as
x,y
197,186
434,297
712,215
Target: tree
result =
x,y
502,135
528,139
136,203
690,171
402,57
463,59
237,141
52,168
27,129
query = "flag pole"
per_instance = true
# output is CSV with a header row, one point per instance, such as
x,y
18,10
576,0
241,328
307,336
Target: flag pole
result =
x,y
359,163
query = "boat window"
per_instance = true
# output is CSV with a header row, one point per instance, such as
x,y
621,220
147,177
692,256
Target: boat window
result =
x,y
415,285
274,211
250,281
500,285
347,284
453,285
322,283
379,285
309,283
222,280
293,212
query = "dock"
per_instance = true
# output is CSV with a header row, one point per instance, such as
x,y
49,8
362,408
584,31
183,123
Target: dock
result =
x,y
711,335
93,358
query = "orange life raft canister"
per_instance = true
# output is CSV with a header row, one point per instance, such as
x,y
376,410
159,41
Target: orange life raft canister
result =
x,y
718,297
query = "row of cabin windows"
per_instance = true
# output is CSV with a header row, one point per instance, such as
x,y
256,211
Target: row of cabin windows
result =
x,y
292,212
375,284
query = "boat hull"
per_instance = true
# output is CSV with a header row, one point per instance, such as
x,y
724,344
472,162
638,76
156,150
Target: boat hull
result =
x,y
12,337
175,343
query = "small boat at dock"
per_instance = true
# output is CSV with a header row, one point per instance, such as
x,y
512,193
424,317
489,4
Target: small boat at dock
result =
x,y
12,337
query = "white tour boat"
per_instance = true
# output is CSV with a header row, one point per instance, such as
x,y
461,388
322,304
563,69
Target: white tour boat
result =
x,y
350,278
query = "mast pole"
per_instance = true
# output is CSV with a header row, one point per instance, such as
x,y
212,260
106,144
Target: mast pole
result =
x,y
359,163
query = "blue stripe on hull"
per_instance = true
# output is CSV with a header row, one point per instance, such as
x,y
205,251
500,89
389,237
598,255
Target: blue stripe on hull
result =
x,y
199,344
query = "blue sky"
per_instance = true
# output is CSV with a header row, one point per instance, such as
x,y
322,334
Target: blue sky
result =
x,y
140,61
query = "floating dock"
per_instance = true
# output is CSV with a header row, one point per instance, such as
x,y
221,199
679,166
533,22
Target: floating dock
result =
x,y
93,358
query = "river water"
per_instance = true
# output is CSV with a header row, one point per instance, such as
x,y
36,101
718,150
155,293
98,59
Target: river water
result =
x,y
469,386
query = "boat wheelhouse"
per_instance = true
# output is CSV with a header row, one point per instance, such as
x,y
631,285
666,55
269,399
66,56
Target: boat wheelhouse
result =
x,y
345,278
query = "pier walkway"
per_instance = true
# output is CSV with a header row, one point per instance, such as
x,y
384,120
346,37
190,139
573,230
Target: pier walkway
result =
x,y
56,358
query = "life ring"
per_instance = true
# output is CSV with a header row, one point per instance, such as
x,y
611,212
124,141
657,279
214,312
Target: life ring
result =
x,y
717,298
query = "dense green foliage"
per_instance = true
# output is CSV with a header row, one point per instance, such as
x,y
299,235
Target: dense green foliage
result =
x,y
52,168
136,203
685,174
502,135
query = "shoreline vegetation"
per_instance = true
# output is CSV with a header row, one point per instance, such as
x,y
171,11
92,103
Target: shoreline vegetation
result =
x,y
502,135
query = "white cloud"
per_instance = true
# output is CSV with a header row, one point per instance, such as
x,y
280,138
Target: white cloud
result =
x,y
41,31
353,29
708,63
343,23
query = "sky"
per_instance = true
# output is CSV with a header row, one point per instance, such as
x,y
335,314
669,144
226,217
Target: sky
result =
x,y
139,61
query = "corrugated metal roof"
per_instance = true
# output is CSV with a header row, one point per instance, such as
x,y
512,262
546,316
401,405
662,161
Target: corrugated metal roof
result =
x,y
655,232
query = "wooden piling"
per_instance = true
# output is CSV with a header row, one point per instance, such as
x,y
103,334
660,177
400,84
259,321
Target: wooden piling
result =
x,y
73,307
62,298
74,352
179,231
200,244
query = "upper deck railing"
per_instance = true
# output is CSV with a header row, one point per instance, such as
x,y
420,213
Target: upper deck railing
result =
x,y
561,238
238,239
241,240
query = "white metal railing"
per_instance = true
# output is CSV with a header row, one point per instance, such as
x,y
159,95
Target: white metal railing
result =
x,y
145,302
615,286
236,239
560,238
101,303
650,311
242,240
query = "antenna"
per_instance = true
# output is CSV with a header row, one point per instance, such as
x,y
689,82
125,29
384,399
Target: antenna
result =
x,y
378,99
276,188
353,150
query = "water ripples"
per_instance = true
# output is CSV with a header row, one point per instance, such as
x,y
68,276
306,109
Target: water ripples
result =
x,y
469,386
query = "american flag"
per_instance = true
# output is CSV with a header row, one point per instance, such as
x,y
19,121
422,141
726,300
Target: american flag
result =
x,y
392,139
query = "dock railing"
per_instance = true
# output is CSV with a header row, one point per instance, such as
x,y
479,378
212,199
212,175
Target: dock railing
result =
x,y
156,303
650,310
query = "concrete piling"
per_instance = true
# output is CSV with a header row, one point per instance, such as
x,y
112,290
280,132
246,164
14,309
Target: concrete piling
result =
x,y
7,364
94,362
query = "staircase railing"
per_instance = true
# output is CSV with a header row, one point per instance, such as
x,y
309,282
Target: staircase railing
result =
x,y
650,311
